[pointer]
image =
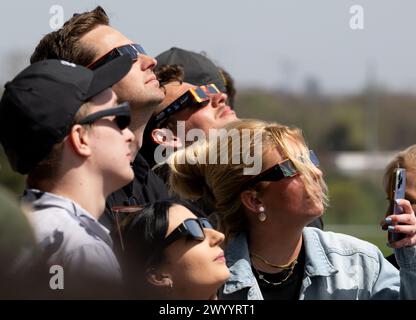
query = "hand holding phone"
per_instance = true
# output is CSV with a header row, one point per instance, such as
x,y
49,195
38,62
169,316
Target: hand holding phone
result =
x,y
397,191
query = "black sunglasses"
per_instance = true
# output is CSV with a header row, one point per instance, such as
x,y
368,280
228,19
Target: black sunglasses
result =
x,y
284,169
190,228
198,97
121,113
133,50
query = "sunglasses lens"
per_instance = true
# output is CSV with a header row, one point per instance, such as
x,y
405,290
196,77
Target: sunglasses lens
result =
x,y
139,48
212,89
195,230
133,50
122,122
206,224
288,169
199,94
129,50
314,158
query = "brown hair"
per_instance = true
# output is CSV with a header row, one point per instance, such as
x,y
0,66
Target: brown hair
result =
x,y
229,86
222,182
64,43
170,73
404,159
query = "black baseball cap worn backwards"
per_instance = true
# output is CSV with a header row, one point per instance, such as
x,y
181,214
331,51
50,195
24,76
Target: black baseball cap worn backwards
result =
x,y
199,70
38,106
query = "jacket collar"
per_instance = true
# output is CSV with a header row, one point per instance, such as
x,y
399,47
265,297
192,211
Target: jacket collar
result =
x,y
316,260
238,260
40,200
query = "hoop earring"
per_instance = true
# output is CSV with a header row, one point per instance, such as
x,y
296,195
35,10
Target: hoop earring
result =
x,y
262,215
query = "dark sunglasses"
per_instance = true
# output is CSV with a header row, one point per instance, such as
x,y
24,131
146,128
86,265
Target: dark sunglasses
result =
x,y
198,97
284,169
121,113
133,50
190,228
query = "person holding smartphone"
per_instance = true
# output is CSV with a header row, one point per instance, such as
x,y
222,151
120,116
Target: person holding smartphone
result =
x,y
405,159
270,251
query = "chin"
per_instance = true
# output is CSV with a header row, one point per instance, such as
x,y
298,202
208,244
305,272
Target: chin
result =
x,y
126,178
225,274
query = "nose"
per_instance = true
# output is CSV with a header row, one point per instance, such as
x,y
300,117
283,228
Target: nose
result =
x,y
129,136
146,62
218,99
215,237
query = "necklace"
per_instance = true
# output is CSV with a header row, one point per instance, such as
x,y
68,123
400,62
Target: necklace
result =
x,y
288,266
261,276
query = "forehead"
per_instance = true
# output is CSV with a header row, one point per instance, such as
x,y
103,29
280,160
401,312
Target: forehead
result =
x,y
103,39
274,154
104,100
177,214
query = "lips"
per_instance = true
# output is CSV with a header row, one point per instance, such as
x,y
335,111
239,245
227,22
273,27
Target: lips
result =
x,y
220,257
226,110
152,78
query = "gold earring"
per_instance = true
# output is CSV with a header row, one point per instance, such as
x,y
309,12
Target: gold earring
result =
x,y
262,214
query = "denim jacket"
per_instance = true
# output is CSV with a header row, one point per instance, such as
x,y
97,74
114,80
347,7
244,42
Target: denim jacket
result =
x,y
337,266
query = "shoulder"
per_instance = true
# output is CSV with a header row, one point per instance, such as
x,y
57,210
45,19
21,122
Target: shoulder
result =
x,y
61,232
52,218
338,243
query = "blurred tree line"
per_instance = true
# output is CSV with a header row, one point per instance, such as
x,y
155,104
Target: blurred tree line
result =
x,y
343,123
330,124
338,123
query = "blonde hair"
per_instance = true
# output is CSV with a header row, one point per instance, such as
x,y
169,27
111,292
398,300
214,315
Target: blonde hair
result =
x,y
221,183
404,159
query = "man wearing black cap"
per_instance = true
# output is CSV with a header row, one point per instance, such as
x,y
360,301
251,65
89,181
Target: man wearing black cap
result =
x,y
56,122
194,107
198,70
88,39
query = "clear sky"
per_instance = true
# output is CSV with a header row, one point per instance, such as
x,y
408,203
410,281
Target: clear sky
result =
x,y
262,43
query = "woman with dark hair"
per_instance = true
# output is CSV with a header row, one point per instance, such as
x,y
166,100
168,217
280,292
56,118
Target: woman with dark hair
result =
x,y
173,252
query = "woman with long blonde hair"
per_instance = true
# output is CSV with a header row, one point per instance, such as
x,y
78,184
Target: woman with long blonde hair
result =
x,y
269,250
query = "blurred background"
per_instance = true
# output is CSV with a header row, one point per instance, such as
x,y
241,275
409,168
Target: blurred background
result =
x,y
346,76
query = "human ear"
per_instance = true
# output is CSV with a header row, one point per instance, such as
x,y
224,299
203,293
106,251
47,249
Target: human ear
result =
x,y
165,137
250,199
80,140
159,279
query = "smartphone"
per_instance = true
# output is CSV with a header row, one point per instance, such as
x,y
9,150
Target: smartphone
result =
x,y
397,191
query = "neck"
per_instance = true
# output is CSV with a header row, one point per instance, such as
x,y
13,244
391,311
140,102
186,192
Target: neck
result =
x,y
138,123
278,250
81,188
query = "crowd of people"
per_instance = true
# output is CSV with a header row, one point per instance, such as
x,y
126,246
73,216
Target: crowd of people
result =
x,y
110,212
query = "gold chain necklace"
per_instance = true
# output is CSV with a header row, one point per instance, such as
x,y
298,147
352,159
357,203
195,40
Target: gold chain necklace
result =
x,y
261,276
288,266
